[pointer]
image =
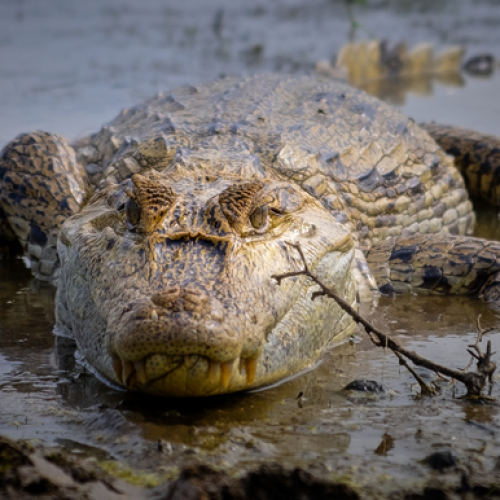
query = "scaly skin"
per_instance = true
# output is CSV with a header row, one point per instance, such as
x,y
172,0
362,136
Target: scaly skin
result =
x,y
165,277
435,263
477,156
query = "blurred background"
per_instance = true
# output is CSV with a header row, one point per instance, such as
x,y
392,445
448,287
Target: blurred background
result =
x,y
69,66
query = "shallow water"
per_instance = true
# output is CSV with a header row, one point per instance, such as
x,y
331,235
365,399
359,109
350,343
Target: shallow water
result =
x,y
68,67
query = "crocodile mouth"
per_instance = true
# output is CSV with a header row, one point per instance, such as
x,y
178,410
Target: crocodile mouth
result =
x,y
155,371
183,353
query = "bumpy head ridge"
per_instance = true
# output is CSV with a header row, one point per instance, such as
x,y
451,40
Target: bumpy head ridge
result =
x,y
148,203
238,201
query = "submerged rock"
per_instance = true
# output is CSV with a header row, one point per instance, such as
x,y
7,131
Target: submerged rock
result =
x,y
370,386
482,65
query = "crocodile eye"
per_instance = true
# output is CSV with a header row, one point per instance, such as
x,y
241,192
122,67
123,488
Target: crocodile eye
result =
x,y
133,212
259,218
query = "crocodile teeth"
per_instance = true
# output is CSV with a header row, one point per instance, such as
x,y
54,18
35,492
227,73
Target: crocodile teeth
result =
x,y
213,371
118,367
226,370
128,370
250,369
140,369
154,315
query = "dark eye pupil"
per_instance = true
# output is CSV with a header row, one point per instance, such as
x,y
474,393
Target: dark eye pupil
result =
x,y
133,212
258,217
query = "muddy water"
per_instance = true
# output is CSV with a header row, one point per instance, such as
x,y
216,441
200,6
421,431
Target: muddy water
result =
x,y
46,396
68,67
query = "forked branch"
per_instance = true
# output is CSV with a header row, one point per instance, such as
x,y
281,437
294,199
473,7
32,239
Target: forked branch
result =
x,y
473,381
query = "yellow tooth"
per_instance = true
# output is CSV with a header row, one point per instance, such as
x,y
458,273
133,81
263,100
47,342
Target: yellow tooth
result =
x,y
213,372
128,370
154,315
226,370
250,368
140,368
118,367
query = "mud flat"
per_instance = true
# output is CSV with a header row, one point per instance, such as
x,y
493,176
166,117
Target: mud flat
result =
x,y
28,472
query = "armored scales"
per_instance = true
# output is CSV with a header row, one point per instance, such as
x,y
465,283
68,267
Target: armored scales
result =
x,y
163,230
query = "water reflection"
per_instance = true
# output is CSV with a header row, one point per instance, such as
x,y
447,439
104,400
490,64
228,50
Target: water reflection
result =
x,y
395,90
26,319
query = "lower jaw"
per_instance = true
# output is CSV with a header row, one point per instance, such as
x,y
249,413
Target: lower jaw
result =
x,y
191,379
186,376
196,381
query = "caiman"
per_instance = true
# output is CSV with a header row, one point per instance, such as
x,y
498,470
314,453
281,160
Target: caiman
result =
x,y
163,230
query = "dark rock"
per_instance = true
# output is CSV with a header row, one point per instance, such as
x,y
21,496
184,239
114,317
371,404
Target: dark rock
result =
x,y
441,459
387,289
436,494
269,482
93,169
272,482
365,386
482,64
200,482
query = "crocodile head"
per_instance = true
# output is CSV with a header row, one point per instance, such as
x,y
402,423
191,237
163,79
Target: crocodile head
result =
x,y
167,282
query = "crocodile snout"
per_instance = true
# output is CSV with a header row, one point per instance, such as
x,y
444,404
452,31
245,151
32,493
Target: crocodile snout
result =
x,y
180,332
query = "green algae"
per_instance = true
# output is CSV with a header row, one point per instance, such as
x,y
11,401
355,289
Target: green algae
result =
x,y
137,477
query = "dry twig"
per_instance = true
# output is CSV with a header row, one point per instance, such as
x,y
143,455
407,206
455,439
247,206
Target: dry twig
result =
x,y
473,381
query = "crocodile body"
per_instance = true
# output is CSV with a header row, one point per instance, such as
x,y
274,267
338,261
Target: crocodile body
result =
x,y
176,215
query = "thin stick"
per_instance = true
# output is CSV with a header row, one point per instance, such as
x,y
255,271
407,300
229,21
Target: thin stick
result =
x,y
474,381
426,389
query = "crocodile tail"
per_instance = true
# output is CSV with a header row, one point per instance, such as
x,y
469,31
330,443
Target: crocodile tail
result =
x,y
437,263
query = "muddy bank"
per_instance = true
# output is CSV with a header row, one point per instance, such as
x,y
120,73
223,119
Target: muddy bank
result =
x,y
29,472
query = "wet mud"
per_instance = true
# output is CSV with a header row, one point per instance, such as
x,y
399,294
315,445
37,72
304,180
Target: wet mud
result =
x,y
69,67
28,472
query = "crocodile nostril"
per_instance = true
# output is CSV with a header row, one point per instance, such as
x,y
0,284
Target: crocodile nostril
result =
x,y
194,296
166,297
181,299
